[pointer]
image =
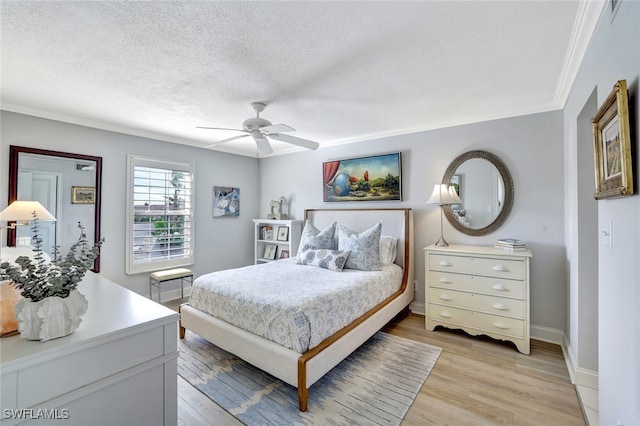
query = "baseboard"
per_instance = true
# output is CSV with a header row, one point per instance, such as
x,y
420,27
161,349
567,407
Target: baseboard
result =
x,y
546,334
417,308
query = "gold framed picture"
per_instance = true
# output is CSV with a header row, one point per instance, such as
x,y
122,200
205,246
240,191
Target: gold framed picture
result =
x,y
612,145
83,195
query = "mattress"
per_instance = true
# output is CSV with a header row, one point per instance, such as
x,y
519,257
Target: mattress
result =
x,y
296,306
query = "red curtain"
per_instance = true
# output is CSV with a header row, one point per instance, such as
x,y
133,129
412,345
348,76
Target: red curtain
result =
x,y
329,170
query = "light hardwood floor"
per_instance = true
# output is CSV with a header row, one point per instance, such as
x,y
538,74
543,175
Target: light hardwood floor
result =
x,y
476,381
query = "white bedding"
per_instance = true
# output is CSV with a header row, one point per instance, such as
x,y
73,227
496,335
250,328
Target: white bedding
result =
x,y
294,305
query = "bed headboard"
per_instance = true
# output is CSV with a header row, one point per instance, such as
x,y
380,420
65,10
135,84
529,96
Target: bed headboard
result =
x,y
395,222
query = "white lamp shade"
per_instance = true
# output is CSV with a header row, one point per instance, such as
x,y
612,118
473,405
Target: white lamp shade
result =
x,y
22,211
454,195
442,196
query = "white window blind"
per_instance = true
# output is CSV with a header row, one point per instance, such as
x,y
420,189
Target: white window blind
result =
x,y
159,215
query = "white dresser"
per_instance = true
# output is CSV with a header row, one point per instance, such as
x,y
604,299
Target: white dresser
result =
x,y
481,290
118,368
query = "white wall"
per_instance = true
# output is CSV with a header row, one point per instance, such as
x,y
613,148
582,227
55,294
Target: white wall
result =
x,y
220,243
614,55
530,146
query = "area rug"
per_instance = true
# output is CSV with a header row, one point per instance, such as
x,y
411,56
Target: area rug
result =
x,y
375,385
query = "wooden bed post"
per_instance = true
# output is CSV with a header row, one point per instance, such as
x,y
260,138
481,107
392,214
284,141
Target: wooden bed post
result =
x,y
182,329
303,392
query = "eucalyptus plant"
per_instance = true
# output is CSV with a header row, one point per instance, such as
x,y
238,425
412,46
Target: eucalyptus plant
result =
x,y
39,279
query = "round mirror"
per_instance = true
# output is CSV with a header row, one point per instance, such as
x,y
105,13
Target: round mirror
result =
x,y
485,187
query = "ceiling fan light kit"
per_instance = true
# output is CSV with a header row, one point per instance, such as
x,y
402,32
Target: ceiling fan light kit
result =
x,y
262,130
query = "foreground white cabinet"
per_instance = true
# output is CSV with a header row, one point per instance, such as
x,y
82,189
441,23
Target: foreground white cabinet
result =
x,y
481,290
118,368
280,235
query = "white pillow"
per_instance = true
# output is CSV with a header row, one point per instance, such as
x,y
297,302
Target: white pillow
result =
x,y
334,260
388,249
312,238
364,247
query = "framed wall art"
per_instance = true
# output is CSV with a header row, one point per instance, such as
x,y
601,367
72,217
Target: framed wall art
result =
x,y
226,201
270,251
612,145
283,233
83,195
373,178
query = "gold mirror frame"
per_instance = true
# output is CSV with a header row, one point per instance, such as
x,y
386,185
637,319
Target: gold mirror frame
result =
x,y
508,192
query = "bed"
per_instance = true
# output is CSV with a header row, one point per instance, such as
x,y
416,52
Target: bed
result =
x,y
303,360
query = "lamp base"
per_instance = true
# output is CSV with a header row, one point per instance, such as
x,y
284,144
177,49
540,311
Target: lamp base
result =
x,y
442,242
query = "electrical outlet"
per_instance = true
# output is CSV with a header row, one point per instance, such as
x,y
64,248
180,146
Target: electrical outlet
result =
x,y
415,286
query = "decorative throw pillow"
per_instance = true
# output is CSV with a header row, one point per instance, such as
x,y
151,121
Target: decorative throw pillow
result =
x,y
364,247
312,238
333,260
388,249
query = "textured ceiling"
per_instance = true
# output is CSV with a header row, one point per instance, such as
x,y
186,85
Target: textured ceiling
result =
x,y
335,71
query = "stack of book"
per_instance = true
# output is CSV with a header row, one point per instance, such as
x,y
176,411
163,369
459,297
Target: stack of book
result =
x,y
510,244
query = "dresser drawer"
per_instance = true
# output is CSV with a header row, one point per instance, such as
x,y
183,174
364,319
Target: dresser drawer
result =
x,y
478,302
513,289
489,267
476,320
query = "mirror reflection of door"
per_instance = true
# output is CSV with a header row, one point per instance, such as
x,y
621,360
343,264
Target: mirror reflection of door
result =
x,y
44,187
49,180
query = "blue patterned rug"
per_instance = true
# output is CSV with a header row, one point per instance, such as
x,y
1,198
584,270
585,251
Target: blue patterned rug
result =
x,y
375,385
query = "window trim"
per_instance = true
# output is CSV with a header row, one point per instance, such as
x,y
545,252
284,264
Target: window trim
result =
x,y
133,161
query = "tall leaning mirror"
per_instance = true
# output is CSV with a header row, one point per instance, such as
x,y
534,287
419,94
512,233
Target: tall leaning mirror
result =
x,y
67,184
485,187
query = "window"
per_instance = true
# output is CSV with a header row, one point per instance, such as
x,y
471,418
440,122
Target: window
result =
x,y
159,215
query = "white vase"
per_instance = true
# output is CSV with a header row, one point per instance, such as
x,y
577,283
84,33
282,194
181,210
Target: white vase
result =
x,y
50,318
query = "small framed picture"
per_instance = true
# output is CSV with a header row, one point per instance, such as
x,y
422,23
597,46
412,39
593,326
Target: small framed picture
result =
x,y
284,254
283,233
268,233
83,195
612,145
270,251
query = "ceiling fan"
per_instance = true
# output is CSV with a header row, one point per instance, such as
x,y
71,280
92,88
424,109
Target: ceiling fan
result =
x,y
262,130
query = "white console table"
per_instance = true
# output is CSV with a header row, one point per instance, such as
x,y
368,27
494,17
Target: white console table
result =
x,y
118,368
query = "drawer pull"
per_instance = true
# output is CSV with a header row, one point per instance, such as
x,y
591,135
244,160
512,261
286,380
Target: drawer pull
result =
x,y
447,298
444,263
445,280
501,306
501,325
445,314
500,287
501,268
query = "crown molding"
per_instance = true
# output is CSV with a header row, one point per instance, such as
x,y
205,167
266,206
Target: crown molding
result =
x,y
584,27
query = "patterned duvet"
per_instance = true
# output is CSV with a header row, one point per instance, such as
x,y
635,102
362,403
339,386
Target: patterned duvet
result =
x,y
296,306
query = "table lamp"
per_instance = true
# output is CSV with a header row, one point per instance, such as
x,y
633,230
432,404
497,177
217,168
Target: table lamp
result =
x,y
443,195
23,212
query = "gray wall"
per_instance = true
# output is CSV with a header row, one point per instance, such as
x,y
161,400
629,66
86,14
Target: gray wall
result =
x,y
614,55
530,146
220,243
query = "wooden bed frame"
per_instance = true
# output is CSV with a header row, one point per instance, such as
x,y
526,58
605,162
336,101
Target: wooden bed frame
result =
x,y
303,370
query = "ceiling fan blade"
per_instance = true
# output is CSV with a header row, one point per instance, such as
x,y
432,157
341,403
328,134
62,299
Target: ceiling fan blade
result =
x,y
296,141
277,128
220,128
264,147
225,141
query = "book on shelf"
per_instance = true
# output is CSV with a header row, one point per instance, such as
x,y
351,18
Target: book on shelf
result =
x,y
268,232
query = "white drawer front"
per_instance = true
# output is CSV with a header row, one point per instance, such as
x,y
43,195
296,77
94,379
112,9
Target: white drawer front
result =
x,y
58,376
513,289
478,302
481,321
489,267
